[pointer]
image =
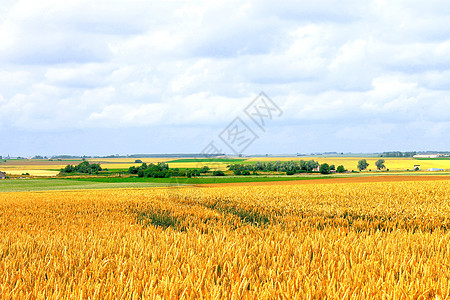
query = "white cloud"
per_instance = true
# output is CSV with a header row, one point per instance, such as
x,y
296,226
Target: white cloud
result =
x,y
69,65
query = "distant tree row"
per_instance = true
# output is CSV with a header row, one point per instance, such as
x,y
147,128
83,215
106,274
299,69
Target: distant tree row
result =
x,y
290,167
277,166
159,170
39,157
162,170
84,167
398,154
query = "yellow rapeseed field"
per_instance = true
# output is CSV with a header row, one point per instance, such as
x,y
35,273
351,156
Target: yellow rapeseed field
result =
x,y
34,168
342,241
129,160
351,163
32,172
192,165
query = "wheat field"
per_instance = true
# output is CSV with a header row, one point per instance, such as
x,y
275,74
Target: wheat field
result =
x,y
385,240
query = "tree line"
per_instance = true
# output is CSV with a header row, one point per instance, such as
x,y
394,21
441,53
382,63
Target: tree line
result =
x,y
398,154
162,170
290,167
85,167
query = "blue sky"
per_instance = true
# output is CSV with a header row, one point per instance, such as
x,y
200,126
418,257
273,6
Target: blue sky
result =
x,y
106,77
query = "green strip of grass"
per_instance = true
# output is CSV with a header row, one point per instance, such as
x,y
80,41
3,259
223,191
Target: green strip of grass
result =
x,y
68,183
198,180
29,185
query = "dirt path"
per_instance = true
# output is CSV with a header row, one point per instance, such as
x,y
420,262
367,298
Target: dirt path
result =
x,y
336,180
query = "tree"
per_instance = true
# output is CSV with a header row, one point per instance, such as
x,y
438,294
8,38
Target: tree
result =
x,y
333,168
205,169
218,173
324,168
340,169
190,173
84,167
237,172
380,164
362,164
311,165
133,170
69,169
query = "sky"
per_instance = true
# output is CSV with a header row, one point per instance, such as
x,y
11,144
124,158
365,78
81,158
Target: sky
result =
x,y
123,77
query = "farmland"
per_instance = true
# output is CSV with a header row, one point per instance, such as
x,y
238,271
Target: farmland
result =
x,y
350,163
338,240
45,168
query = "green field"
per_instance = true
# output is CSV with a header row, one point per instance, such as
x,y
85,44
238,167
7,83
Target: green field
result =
x,y
199,180
27,185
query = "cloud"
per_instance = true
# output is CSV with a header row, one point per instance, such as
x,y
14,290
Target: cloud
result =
x,y
79,65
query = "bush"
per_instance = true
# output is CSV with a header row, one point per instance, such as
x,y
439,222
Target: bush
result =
x,y
324,168
290,172
218,173
84,167
340,169
205,169
362,164
380,164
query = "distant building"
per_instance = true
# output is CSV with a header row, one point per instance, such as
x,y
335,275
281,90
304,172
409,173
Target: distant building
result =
x,y
2,175
427,156
435,169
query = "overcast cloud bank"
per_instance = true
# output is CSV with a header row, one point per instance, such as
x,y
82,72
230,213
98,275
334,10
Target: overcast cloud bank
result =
x,y
101,77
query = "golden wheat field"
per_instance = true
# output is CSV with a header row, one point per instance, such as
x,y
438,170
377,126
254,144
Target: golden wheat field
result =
x,y
384,240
